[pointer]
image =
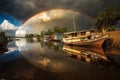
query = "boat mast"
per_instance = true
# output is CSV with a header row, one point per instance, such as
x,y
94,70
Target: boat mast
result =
x,y
50,4
74,25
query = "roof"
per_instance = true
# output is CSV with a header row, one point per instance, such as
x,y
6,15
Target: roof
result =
x,y
79,31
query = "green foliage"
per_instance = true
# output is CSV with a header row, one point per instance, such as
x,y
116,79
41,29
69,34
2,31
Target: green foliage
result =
x,y
36,35
107,18
42,33
3,38
56,29
56,48
32,35
63,29
50,31
112,28
2,34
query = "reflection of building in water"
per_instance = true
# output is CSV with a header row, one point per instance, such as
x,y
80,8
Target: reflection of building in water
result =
x,y
85,56
21,44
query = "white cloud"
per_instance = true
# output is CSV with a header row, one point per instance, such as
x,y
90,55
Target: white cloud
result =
x,y
20,32
6,25
8,28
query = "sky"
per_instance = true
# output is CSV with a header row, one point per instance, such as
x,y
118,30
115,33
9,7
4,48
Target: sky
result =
x,y
21,10
4,16
57,17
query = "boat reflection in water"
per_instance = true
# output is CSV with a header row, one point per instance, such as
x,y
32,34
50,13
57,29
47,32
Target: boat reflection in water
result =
x,y
85,55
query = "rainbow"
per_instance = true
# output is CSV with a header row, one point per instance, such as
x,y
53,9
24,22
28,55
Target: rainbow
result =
x,y
52,10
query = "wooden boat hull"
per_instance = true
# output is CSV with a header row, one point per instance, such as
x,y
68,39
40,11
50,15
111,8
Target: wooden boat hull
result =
x,y
93,42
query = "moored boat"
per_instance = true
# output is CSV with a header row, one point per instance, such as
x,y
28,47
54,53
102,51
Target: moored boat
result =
x,y
56,37
87,37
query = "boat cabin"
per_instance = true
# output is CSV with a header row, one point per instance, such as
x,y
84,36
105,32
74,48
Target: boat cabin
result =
x,y
86,37
56,37
79,33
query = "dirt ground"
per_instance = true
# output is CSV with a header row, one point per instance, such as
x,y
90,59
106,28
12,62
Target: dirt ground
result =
x,y
115,47
115,35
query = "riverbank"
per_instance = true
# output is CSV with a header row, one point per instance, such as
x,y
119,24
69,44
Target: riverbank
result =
x,y
115,35
112,45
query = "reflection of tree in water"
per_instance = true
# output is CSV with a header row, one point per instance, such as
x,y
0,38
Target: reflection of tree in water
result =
x,y
3,42
2,50
30,40
112,50
48,44
56,46
42,44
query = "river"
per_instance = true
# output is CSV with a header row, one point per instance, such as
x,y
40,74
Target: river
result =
x,y
38,60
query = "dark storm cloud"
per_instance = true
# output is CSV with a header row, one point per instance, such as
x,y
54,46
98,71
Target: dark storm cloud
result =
x,y
23,9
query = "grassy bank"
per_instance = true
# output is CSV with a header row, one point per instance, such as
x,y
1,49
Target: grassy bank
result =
x,y
115,35
113,47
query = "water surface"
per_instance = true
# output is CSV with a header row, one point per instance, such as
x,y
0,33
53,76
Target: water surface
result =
x,y
37,60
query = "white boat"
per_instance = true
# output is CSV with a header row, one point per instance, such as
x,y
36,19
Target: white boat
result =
x,y
55,37
87,37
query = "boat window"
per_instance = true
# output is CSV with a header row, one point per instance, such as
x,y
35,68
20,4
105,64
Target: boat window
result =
x,y
83,33
78,34
89,37
65,36
74,34
92,31
88,33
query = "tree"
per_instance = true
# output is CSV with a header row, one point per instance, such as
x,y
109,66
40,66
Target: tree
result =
x,y
49,32
107,18
63,29
3,38
112,28
2,34
36,35
58,29
29,35
42,33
